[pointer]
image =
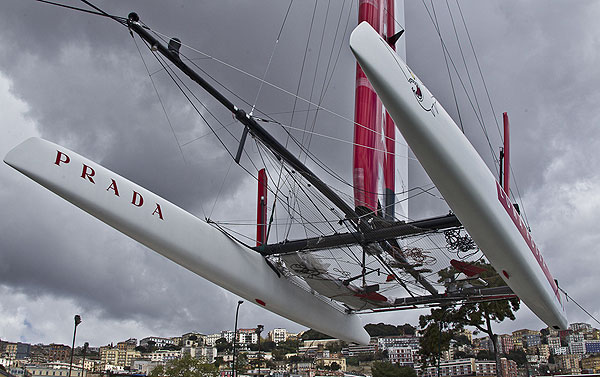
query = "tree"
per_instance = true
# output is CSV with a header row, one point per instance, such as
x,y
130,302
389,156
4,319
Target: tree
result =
x,y
480,315
223,345
518,356
334,366
387,369
187,366
314,335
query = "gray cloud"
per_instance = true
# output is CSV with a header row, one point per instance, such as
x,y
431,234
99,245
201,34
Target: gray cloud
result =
x,y
85,86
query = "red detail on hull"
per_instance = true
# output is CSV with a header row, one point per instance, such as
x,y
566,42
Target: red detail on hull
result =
x,y
467,268
261,209
516,218
505,274
260,302
372,296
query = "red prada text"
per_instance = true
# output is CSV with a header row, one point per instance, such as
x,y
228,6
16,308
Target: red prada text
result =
x,y
88,173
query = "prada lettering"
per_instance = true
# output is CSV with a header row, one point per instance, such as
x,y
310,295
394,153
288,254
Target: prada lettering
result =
x,y
89,174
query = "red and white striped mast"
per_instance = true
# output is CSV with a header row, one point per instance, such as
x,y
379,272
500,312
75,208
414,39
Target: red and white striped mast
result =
x,y
375,133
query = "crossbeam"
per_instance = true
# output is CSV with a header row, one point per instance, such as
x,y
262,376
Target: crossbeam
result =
x,y
396,230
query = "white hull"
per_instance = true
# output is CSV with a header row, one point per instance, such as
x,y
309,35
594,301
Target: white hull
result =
x,y
178,235
460,174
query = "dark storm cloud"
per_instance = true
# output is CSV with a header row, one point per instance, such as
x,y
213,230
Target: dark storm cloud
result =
x,y
86,88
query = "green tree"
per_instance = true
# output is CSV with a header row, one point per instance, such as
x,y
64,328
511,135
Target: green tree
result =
x,y
185,367
387,369
223,345
518,355
480,315
314,335
335,366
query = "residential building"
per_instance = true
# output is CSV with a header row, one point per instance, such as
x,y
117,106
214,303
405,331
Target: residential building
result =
x,y
58,352
577,348
592,346
228,335
508,368
591,364
278,335
544,352
327,361
157,342
208,354
553,343
505,343
54,370
580,327
163,356
211,339
561,351
568,363
247,336
401,355
385,342
121,356
356,349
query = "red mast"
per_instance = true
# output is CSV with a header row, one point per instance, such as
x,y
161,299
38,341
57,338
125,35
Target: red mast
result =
x,y
368,116
261,209
389,159
506,154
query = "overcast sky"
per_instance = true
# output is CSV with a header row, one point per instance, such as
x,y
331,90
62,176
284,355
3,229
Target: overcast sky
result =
x,y
78,80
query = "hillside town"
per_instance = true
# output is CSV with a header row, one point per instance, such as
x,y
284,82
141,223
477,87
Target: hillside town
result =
x,y
281,353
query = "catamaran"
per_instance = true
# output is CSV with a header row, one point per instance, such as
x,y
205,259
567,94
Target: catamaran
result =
x,y
370,261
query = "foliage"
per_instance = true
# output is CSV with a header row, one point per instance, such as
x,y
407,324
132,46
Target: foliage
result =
x,y
185,367
387,369
336,347
314,335
518,356
223,345
383,329
352,360
485,355
453,319
334,366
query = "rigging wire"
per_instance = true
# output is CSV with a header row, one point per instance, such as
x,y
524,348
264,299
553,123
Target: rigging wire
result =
x,y
271,57
162,105
578,305
437,28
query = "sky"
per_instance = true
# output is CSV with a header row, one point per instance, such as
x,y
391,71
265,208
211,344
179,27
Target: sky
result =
x,y
79,80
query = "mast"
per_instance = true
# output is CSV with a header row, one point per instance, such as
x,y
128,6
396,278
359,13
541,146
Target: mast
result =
x,y
367,117
389,131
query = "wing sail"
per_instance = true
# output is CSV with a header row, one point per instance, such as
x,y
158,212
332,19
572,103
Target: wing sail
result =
x,y
177,235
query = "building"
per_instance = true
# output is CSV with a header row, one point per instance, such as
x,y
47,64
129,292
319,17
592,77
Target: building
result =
x,y
580,327
58,352
505,343
553,343
120,356
247,336
356,349
592,346
591,364
577,348
508,368
54,370
322,362
164,356
207,354
568,363
211,339
385,342
157,342
403,356
278,335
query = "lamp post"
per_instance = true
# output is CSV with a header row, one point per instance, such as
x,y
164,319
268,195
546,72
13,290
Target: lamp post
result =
x,y
259,329
85,347
233,374
77,322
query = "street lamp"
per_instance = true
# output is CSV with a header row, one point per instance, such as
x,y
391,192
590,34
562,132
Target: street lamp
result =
x,y
85,347
259,329
233,374
77,322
